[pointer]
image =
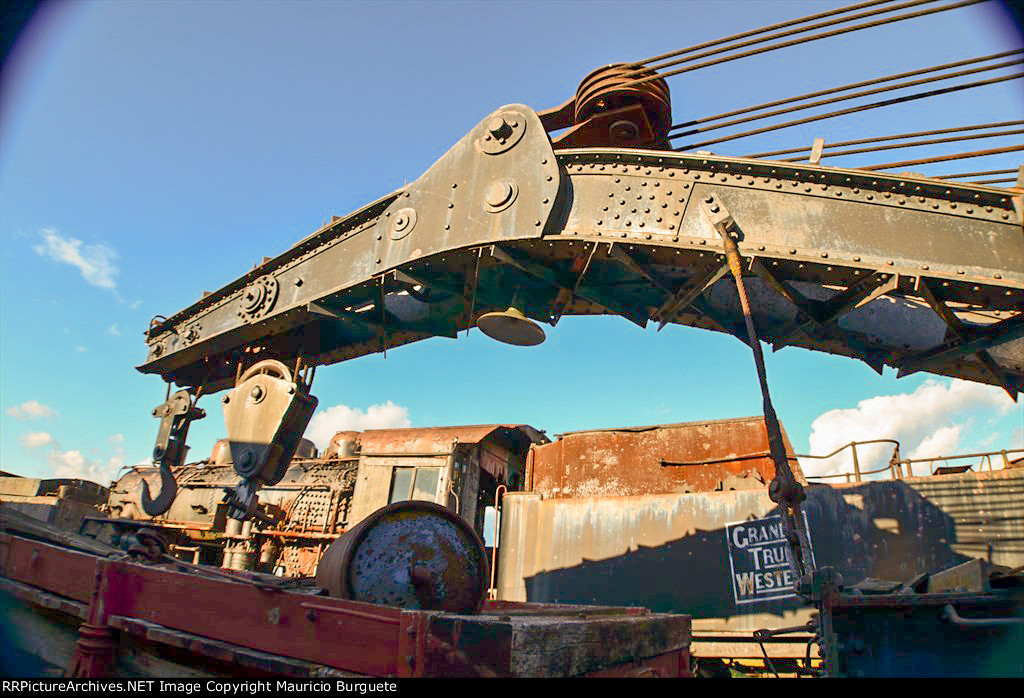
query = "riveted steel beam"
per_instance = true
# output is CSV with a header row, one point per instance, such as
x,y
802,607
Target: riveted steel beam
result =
x,y
959,330
823,239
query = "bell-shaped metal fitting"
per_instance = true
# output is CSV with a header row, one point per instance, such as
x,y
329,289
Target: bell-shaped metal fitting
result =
x,y
511,327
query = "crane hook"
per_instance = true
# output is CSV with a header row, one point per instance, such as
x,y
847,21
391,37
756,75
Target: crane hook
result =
x,y
168,491
175,415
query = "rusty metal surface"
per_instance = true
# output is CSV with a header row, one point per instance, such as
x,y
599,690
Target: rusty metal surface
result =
x,y
441,440
864,264
635,460
318,498
311,497
410,555
669,552
66,488
609,109
61,502
966,635
982,512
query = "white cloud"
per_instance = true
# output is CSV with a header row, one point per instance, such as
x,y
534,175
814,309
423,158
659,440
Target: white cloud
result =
x,y
116,462
96,263
989,440
927,422
80,349
72,464
35,439
31,410
941,443
114,331
326,423
134,305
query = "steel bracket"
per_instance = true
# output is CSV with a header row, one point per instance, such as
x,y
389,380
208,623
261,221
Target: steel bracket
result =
x,y
499,183
176,414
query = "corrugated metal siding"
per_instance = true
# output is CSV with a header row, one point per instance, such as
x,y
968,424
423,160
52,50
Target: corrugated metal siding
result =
x,y
668,552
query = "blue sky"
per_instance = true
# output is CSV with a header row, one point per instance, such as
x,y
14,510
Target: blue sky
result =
x,y
153,150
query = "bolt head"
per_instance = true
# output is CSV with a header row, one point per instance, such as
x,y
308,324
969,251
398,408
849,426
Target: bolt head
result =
x,y
624,131
256,392
499,128
498,193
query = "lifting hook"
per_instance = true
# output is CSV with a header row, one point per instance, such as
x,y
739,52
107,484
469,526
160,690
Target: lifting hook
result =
x,y
168,491
175,416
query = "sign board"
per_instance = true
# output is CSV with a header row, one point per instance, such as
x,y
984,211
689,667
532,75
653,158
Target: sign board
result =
x,y
758,560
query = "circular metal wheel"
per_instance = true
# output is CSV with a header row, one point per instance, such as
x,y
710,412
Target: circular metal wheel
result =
x,y
267,367
412,554
610,87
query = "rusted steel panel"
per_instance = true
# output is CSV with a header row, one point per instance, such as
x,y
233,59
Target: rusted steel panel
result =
x,y
718,455
968,635
302,497
440,440
952,517
669,552
66,488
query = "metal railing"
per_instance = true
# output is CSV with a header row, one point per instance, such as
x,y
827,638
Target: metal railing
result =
x,y
904,467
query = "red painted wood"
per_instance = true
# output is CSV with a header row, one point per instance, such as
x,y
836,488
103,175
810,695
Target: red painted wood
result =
x,y
57,570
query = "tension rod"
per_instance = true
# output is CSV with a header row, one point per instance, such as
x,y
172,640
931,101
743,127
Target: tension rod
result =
x,y
784,489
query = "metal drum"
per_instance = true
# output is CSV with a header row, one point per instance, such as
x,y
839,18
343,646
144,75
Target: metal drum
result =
x,y
411,555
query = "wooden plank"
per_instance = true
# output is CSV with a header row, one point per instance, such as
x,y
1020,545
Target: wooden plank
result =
x,y
557,646
346,635
149,635
57,570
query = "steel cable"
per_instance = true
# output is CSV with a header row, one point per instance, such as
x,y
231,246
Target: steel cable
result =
x,y
719,49
762,30
852,110
961,175
935,132
794,42
844,88
855,95
914,144
945,158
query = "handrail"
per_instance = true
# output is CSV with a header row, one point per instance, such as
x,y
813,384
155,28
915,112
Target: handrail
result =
x,y
893,462
896,464
492,591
